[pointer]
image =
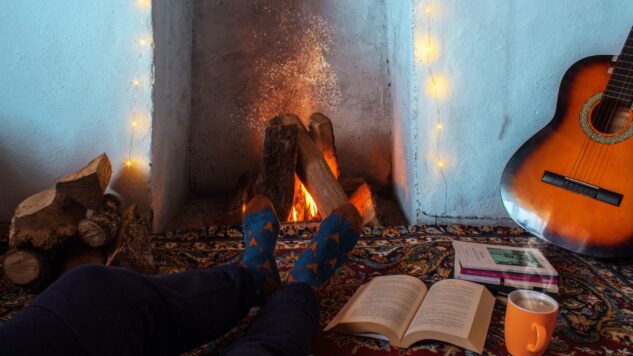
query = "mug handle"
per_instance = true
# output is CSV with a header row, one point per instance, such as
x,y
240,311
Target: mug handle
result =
x,y
541,338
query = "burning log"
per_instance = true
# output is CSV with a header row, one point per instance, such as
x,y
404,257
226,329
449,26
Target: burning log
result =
x,y
363,200
26,267
133,248
86,186
277,181
103,227
322,132
313,170
45,220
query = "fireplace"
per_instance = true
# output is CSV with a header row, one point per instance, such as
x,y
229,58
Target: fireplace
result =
x,y
252,60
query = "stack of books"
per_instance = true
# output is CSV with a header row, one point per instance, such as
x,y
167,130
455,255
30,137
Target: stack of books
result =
x,y
504,268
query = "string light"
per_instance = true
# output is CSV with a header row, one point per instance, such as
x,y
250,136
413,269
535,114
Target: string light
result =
x,y
142,44
437,87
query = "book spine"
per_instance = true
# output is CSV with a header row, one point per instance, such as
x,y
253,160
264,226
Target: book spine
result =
x,y
505,275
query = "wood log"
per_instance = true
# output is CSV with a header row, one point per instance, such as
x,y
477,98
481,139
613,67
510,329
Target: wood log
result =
x,y
350,185
102,227
26,267
133,248
322,132
314,172
87,185
45,220
277,180
365,202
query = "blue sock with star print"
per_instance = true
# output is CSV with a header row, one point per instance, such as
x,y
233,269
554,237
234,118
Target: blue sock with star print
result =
x,y
329,248
261,228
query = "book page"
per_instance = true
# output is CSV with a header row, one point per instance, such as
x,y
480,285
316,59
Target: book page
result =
x,y
389,300
449,307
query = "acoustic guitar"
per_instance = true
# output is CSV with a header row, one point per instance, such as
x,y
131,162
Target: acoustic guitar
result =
x,y
572,183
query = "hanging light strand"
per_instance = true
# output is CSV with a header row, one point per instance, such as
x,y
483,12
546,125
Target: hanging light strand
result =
x,y
137,83
439,125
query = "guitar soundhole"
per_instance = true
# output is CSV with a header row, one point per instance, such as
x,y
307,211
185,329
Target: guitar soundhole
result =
x,y
610,116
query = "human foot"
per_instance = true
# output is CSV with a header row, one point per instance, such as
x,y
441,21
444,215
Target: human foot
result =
x,y
261,228
327,251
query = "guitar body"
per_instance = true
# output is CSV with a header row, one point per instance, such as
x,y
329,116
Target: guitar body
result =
x,y
572,183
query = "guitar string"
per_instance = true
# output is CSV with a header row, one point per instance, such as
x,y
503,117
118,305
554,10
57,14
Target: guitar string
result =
x,y
605,150
619,128
585,165
586,150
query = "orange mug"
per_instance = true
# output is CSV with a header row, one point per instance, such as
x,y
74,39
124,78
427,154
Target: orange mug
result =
x,y
530,321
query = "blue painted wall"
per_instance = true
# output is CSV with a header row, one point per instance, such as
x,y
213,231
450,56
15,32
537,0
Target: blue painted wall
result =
x,y
499,64
65,93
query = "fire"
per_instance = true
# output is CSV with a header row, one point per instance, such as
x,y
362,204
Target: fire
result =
x,y
310,203
304,208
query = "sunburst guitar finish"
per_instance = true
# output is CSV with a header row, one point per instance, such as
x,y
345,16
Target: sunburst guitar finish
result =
x,y
572,183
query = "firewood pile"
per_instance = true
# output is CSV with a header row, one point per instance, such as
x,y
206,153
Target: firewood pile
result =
x,y
300,163
75,223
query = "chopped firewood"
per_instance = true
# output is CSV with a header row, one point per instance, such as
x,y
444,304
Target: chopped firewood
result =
x,y
322,132
313,170
26,267
102,227
364,201
277,180
81,254
245,191
87,185
45,220
133,248
350,185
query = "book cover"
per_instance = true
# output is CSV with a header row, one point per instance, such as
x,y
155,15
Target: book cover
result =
x,y
522,260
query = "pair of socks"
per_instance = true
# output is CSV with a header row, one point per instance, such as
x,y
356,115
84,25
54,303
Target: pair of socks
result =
x,y
327,250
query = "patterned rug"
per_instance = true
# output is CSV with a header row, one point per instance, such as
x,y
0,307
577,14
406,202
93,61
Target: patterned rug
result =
x,y
596,297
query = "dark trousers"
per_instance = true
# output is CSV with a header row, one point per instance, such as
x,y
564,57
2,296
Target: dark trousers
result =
x,y
99,310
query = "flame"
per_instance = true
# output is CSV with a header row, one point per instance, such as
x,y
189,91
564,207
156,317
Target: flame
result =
x,y
243,208
294,214
310,203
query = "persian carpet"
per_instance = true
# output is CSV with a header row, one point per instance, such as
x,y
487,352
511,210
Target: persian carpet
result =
x,y
596,297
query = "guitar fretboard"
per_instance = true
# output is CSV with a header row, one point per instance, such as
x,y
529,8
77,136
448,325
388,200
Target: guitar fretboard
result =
x,y
621,83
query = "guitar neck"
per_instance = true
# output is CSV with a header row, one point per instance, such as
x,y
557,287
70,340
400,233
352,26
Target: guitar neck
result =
x,y
621,83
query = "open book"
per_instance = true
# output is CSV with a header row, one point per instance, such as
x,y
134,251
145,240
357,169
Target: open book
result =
x,y
402,310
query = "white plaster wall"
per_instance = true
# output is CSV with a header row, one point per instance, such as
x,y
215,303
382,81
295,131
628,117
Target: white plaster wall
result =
x,y
66,96
502,62
401,62
172,108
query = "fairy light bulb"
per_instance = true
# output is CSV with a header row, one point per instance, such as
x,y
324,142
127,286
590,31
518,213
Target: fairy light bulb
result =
x,y
440,164
134,123
128,163
136,82
439,126
427,10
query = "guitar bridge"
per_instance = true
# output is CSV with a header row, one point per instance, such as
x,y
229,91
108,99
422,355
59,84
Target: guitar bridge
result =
x,y
582,188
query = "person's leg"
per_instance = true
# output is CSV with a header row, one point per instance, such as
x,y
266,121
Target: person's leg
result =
x,y
287,323
112,310
284,326
109,310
